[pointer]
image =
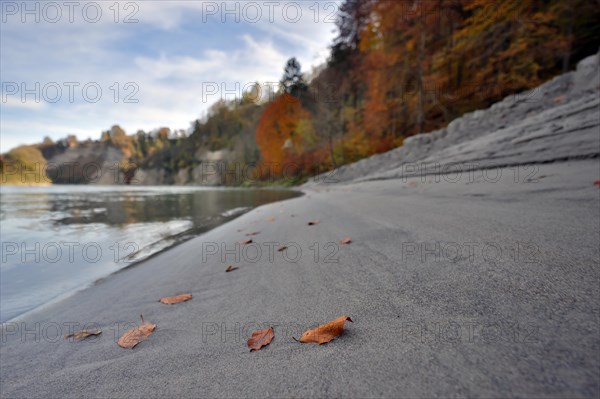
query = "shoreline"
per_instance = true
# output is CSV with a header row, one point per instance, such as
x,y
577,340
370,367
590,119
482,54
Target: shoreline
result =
x,y
387,294
147,250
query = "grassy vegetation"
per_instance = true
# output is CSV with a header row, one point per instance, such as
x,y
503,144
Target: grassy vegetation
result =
x,y
23,165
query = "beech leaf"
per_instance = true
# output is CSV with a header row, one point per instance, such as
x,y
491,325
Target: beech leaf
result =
x,y
253,233
270,219
260,338
171,300
136,335
326,332
346,240
244,242
83,334
313,222
230,268
282,248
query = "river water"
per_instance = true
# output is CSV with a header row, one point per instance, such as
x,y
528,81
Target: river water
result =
x,y
59,239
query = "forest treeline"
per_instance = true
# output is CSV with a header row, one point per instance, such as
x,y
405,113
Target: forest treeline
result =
x,y
396,68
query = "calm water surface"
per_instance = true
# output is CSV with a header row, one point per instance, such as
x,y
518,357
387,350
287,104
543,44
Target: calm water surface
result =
x,y
58,239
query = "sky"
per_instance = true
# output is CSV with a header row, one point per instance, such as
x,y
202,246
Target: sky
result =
x,y
71,67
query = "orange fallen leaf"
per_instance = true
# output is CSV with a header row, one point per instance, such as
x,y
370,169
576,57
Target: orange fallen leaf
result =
x,y
136,335
326,332
171,300
253,233
270,219
282,248
260,338
83,334
346,240
244,242
230,268
313,222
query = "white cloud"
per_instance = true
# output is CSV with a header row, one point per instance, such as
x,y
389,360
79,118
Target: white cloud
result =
x,y
170,77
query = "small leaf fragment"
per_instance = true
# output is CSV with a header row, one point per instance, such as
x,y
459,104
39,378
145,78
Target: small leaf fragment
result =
x,y
313,222
260,338
597,183
136,335
230,268
346,240
270,219
244,242
281,248
83,334
326,332
171,300
253,233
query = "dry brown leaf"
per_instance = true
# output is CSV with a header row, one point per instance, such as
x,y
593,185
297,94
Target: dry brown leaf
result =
x,y
171,300
253,233
136,335
346,240
270,219
230,268
83,334
282,248
313,222
244,242
260,338
325,332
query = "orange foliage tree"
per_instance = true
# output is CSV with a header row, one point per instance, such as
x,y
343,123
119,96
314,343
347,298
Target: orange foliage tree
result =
x,y
285,134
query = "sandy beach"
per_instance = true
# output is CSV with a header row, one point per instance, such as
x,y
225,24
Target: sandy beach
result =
x,y
516,316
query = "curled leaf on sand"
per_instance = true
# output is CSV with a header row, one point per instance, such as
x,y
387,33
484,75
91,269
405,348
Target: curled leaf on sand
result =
x,y
270,219
253,233
244,242
230,268
282,248
346,240
313,222
136,335
83,334
326,332
171,300
260,338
